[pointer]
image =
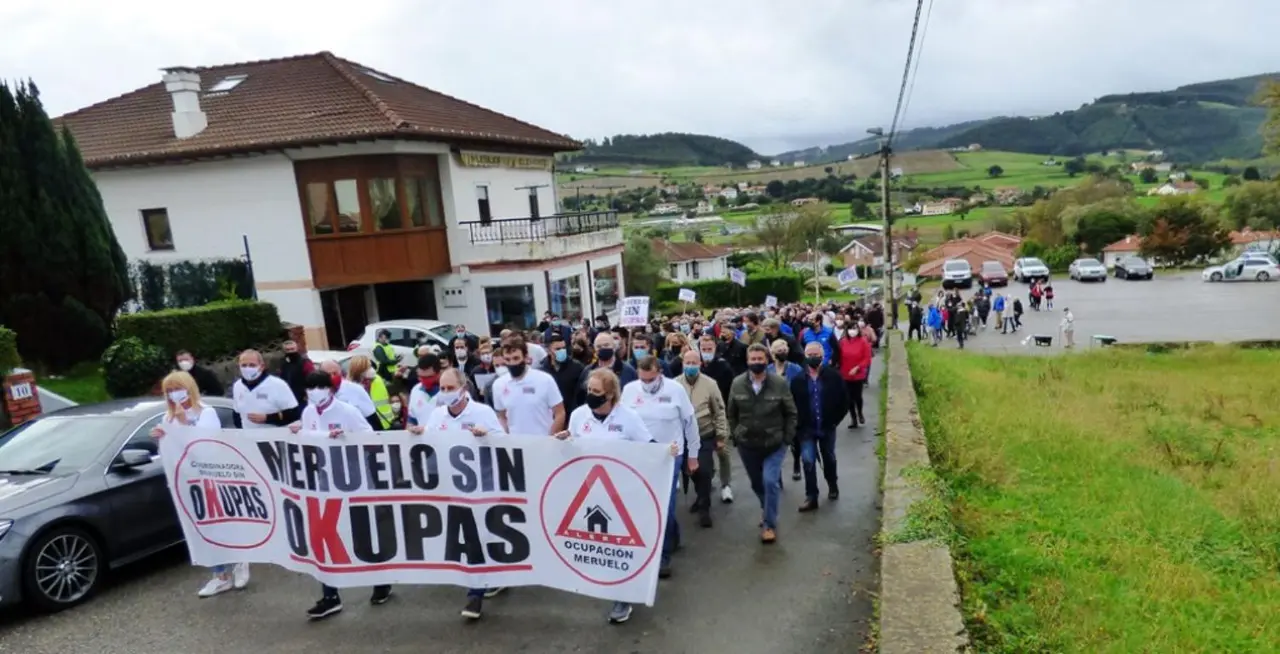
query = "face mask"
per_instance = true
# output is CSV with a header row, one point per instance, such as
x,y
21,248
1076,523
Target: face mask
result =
x,y
562,356
460,354
854,332
653,386
460,334
595,401
861,324
396,407
290,356
501,370
337,379
604,354
756,368
448,398
691,371
779,357
185,365
486,358
814,362
707,356
429,383
684,329
370,374
639,354
516,369
317,396
250,373
178,397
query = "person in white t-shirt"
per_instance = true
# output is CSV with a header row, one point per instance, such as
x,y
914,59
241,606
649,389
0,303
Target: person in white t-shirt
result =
x,y
325,415
262,399
604,416
528,401
350,392
183,407
422,398
457,411
668,414
534,353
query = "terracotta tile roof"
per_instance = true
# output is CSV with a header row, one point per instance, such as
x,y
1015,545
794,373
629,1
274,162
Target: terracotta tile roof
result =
x,y
690,251
1126,244
295,101
973,252
949,249
1247,236
1001,239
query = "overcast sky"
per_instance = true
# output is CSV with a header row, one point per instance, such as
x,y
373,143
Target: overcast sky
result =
x,y
775,75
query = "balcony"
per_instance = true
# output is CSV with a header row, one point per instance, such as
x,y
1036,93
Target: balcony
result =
x,y
535,239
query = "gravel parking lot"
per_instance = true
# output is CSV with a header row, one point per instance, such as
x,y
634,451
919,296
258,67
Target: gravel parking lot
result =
x,y
1171,307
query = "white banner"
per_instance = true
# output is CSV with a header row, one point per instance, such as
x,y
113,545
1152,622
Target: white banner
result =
x,y
687,295
584,516
737,277
848,276
635,311
770,301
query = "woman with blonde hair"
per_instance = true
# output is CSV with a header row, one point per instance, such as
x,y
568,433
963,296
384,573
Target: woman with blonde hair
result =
x,y
672,357
386,407
604,416
184,408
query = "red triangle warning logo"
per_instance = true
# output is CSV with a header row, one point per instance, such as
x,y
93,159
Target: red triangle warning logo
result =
x,y
603,526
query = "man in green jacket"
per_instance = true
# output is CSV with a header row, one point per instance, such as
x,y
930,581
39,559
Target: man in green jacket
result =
x,y
762,423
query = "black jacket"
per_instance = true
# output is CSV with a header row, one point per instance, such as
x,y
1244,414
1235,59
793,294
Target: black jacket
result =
x,y
834,401
293,370
566,376
718,370
734,353
207,382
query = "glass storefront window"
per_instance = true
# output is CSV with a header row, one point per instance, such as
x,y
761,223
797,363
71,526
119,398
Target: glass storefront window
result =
x,y
509,307
566,297
605,282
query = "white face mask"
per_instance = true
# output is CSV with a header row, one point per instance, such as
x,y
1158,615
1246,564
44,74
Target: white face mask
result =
x,y
448,398
652,386
460,354
186,365
370,374
317,396
179,396
396,407
501,370
250,373
486,358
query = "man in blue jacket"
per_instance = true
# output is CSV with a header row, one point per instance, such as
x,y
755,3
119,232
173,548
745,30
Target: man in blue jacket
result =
x,y
818,333
821,405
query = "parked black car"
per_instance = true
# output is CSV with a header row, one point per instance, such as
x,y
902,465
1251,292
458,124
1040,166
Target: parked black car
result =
x,y
82,491
1133,268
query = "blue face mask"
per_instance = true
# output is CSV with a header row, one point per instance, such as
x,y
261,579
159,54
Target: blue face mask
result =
x,y
691,371
562,355
639,354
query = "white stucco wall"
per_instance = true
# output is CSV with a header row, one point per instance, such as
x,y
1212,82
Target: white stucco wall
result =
x,y
717,268
211,206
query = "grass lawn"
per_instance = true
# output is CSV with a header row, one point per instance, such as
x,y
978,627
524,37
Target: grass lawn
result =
x,y
1025,171
83,384
1112,501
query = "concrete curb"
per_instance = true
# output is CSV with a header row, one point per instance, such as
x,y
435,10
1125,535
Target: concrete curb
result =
x,y
919,598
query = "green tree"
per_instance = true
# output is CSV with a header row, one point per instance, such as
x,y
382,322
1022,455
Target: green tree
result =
x,y
642,268
773,234
1251,174
1193,224
810,226
1231,180
1269,97
1148,176
721,201
858,209
1253,204
775,188
995,171
1074,167
1101,224
63,276
948,232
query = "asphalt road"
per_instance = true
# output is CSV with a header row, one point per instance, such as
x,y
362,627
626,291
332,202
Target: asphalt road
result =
x,y
810,592
1174,307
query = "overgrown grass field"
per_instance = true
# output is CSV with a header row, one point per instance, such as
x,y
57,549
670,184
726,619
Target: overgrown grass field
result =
x,y
1114,501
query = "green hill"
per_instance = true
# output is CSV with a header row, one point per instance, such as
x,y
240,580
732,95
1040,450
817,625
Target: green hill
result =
x,y
663,151
921,138
1197,122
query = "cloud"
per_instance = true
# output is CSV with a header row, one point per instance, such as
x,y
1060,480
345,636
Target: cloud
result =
x,y
773,74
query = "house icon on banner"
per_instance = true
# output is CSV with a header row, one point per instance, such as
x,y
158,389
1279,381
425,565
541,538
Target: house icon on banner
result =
x,y
597,520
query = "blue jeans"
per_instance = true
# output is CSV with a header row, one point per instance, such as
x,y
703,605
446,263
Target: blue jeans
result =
x,y
809,447
672,537
764,468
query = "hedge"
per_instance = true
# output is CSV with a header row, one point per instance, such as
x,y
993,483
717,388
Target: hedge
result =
x,y
130,367
787,287
9,358
209,332
182,284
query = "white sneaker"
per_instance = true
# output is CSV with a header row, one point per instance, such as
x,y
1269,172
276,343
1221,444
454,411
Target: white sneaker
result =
x,y
216,586
240,575
726,495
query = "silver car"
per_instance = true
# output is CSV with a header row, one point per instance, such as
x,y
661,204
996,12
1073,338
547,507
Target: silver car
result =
x,y
1083,270
82,491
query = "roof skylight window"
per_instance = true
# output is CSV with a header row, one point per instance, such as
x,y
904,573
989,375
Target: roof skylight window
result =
x,y
378,76
227,83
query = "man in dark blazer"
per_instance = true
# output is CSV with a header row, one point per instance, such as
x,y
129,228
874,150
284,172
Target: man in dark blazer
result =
x,y
821,405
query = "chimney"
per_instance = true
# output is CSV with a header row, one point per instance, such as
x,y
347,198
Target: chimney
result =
x,y
183,85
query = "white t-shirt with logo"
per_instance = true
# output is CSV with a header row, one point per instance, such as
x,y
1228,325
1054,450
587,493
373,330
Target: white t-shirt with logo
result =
x,y
536,354
475,413
206,418
273,395
421,404
338,415
355,395
528,401
622,424
667,413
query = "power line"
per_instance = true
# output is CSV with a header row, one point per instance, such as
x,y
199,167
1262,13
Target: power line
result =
x,y
915,73
906,74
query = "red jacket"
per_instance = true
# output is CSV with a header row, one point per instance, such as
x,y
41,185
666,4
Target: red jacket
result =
x,y
854,352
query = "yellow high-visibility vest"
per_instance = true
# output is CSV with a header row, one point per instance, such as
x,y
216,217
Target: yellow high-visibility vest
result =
x,y
382,402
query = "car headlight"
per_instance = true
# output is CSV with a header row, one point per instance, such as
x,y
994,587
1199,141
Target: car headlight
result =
x,y
4,527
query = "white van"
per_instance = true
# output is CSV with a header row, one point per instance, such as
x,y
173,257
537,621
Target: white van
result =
x,y
956,273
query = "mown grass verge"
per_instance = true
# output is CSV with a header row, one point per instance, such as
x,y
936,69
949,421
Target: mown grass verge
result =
x,y
1116,501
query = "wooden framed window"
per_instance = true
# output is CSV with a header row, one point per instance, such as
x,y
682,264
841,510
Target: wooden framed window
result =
x,y
350,218
384,204
422,200
155,223
348,196
319,208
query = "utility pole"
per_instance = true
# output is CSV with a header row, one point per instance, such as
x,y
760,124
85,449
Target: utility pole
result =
x,y
887,215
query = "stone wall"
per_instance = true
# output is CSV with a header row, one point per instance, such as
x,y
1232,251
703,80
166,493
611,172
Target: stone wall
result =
x,y
21,397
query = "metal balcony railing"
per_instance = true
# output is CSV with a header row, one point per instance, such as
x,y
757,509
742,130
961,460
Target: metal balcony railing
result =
x,y
519,230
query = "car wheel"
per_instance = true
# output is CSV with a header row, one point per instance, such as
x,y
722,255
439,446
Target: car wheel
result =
x,y
1263,276
1150,276
62,569
1215,277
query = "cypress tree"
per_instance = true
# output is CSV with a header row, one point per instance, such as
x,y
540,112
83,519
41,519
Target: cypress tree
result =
x,y
63,276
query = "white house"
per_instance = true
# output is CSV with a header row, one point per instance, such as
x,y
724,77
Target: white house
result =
x,y
584,169
805,261
729,193
753,165
665,208
895,173
691,262
704,207
1127,246
361,196
775,163
1175,188
940,208
798,163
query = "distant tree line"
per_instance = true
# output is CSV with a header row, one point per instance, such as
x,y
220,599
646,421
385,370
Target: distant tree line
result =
x,y
663,150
